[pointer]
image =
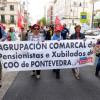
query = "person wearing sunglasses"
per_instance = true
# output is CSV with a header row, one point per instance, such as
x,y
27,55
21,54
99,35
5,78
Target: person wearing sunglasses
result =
x,y
35,36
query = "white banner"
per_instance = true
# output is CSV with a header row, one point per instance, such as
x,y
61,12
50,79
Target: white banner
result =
x,y
35,55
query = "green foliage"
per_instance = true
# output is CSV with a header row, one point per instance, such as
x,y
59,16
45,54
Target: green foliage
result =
x,y
43,20
39,21
88,18
48,23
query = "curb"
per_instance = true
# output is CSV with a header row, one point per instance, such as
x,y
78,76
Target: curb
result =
x,y
7,79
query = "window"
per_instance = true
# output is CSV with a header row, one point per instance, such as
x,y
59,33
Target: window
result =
x,y
2,18
74,3
2,8
11,7
12,18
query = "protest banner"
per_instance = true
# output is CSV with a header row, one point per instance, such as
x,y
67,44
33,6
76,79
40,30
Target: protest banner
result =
x,y
35,55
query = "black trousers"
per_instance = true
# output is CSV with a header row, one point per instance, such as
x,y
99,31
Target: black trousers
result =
x,y
37,72
98,65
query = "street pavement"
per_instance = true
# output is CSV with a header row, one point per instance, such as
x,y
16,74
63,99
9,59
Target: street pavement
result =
x,y
25,87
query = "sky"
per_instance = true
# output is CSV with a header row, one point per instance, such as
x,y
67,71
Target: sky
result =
x,y
97,5
36,8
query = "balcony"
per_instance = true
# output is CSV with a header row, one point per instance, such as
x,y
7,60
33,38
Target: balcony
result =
x,y
12,21
3,21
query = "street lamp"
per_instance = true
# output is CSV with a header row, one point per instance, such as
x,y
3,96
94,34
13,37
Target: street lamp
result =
x,y
83,5
27,11
73,16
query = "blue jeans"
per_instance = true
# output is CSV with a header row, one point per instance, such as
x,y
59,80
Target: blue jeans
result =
x,y
57,70
98,65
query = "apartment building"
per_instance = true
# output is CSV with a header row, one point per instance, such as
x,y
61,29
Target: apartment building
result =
x,y
9,14
50,14
69,11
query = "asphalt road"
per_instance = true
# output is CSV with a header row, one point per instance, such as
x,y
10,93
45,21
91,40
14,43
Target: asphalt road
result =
x,y
25,87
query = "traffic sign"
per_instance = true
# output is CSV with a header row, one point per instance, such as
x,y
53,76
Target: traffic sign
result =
x,y
83,17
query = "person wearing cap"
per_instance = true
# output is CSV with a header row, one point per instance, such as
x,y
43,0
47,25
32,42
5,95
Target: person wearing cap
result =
x,y
58,37
77,35
35,36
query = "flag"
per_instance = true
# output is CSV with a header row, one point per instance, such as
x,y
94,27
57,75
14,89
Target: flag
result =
x,y
2,26
19,19
57,22
41,24
37,22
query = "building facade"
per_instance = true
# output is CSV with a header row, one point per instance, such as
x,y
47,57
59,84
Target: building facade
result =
x,y
50,15
9,15
69,11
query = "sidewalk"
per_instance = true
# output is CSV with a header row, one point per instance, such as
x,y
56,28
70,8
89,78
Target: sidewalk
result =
x,y
7,79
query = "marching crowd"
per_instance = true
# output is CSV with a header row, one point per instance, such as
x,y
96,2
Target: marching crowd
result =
x,y
51,32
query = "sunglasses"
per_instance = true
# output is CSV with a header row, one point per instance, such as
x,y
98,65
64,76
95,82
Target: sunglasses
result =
x,y
36,28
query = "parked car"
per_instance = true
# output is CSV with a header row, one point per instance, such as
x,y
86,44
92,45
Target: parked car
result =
x,y
92,34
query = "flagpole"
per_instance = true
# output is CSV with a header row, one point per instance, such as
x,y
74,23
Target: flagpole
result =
x,y
27,12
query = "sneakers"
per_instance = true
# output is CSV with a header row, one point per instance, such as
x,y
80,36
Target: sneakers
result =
x,y
38,76
96,73
33,73
57,75
77,77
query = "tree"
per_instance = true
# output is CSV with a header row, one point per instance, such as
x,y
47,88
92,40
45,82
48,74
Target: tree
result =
x,y
43,20
39,21
88,18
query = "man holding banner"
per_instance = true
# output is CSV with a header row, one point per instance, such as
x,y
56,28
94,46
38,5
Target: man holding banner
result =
x,y
77,36
3,37
35,36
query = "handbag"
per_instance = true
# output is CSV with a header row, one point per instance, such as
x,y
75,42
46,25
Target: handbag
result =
x,y
9,38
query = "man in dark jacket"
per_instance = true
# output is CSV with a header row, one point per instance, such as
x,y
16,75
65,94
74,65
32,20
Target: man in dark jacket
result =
x,y
3,37
77,35
49,33
64,32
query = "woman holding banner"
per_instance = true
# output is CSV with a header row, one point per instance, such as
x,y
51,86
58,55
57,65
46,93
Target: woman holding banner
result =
x,y
77,35
35,36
